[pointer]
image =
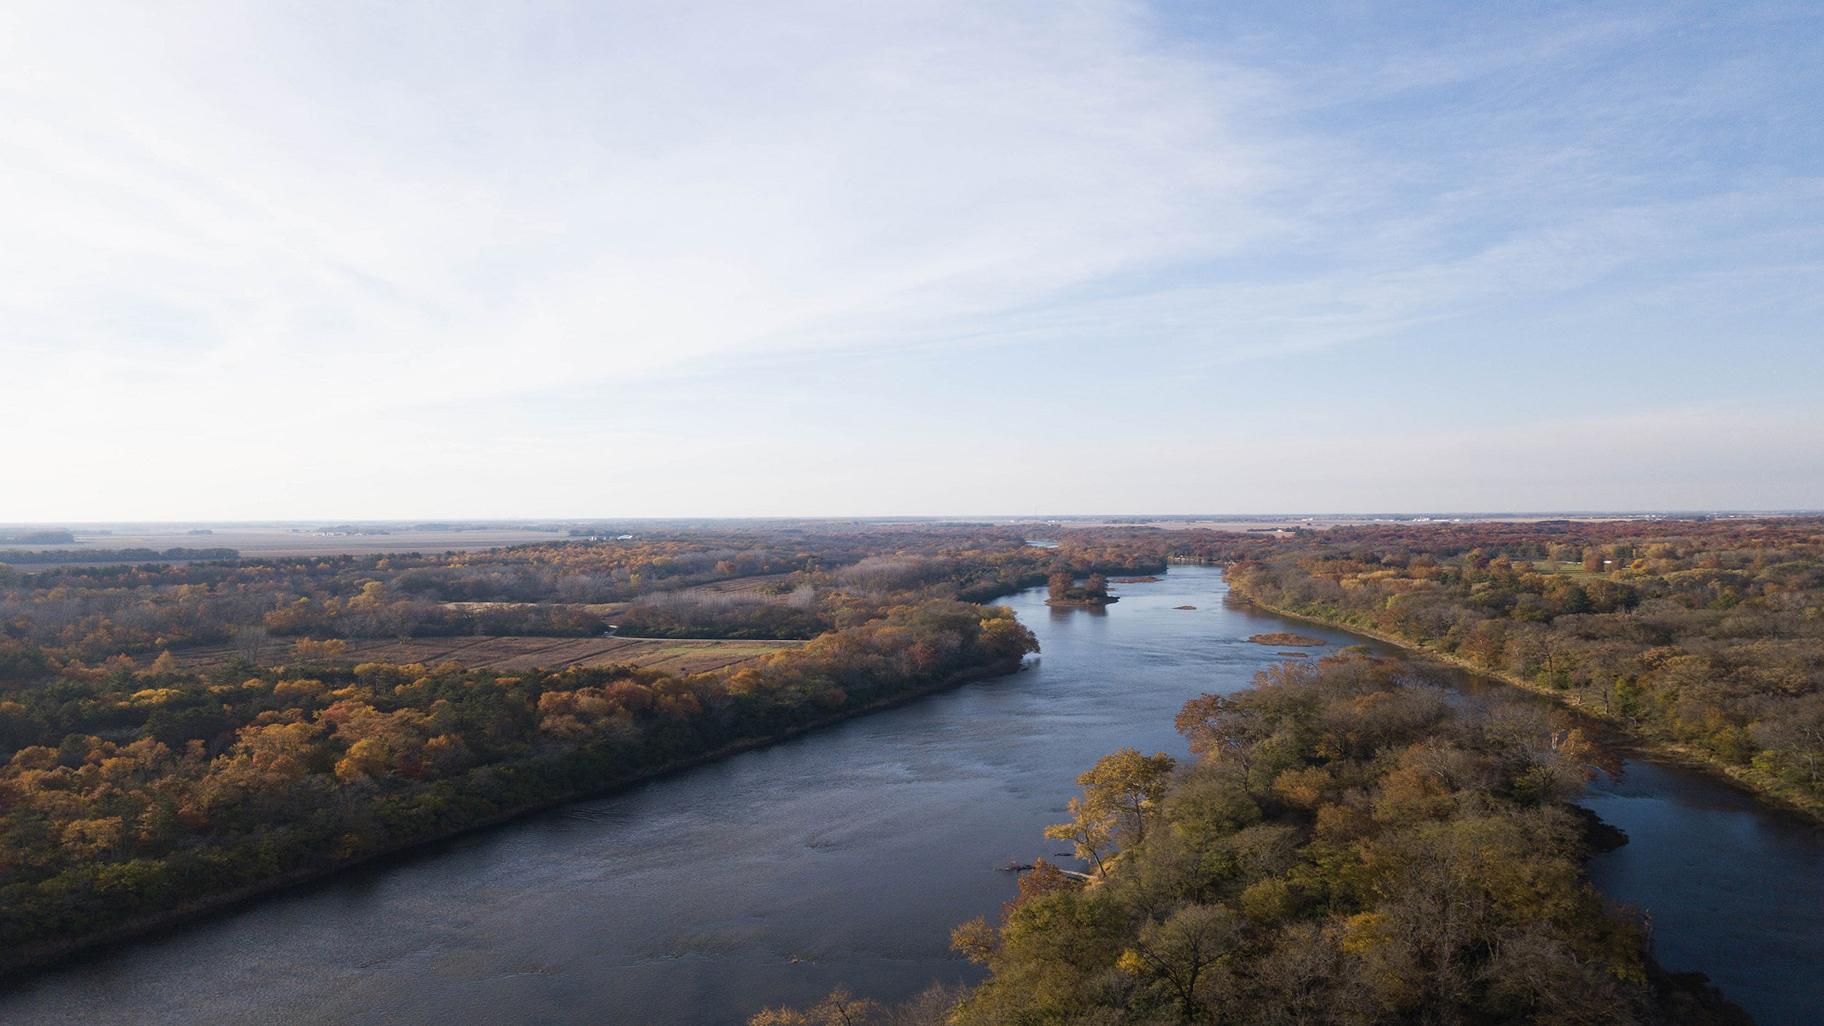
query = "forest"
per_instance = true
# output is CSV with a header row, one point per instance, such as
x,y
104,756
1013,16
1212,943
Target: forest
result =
x,y
139,793
137,786
78,618
1293,867
1347,845
1704,636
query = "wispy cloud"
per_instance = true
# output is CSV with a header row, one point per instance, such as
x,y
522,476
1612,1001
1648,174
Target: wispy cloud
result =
x,y
319,245
611,193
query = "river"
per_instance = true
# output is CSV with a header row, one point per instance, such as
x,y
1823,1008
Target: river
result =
x,y
845,857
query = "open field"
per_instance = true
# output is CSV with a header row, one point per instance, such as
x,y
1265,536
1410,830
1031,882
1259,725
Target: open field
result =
x,y
257,540
1272,524
494,652
759,585
607,609
1545,566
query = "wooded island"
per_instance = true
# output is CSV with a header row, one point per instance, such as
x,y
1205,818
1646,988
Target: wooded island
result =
x,y
1064,591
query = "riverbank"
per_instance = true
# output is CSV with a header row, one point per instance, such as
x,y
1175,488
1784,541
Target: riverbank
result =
x,y
757,880
1368,817
23,958
1761,785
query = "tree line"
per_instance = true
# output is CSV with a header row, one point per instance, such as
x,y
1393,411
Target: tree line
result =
x,y
136,555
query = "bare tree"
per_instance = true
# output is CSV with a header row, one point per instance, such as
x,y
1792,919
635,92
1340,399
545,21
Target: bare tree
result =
x,y
250,643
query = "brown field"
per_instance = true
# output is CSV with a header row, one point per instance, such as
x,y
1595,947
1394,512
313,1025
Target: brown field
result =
x,y
525,653
759,585
592,608
1266,524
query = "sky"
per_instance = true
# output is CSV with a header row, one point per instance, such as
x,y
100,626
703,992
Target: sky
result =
x,y
416,260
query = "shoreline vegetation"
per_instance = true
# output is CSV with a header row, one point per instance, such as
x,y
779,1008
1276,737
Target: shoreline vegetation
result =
x,y
1699,638
1346,847
138,790
1775,794
25,959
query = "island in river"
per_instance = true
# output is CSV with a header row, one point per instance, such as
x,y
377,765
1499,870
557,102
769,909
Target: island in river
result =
x,y
1282,639
1063,590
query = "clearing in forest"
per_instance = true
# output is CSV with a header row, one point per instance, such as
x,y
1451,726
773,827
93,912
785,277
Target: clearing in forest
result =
x,y
521,652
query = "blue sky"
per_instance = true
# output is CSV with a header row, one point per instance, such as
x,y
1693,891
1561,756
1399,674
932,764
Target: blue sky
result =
x,y
847,258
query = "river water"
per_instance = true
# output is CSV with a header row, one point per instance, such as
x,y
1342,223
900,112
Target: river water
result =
x,y
845,857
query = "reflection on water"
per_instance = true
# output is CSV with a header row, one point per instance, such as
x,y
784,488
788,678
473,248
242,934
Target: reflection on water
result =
x,y
846,857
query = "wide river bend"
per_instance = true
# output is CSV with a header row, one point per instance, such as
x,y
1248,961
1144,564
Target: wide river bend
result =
x,y
845,857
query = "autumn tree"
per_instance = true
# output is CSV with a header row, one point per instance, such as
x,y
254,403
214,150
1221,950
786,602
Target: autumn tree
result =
x,y
1220,728
1798,736
1120,792
1178,951
307,650
1426,873
838,1008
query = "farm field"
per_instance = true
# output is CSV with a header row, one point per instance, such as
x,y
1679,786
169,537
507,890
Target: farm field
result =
x,y
519,652
591,608
255,541
758,584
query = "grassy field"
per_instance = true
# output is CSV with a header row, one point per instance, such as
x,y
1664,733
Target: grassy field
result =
x,y
524,653
757,586
607,609
1546,566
